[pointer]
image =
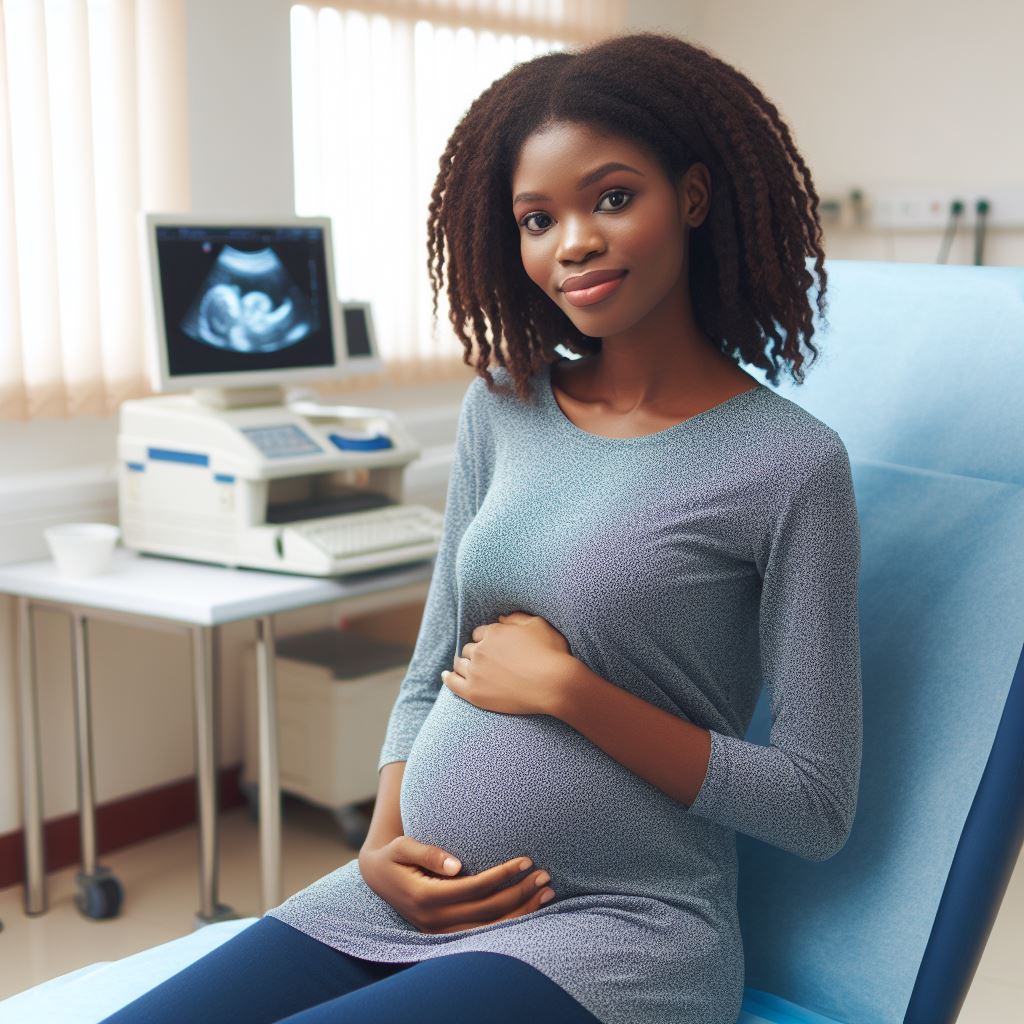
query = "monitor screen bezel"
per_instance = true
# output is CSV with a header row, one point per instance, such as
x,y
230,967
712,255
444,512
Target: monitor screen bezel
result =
x,y
161,378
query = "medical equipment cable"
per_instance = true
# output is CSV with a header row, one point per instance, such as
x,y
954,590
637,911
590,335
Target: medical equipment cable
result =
x,y
956,208
981,209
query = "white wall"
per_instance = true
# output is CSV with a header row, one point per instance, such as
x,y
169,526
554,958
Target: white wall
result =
x,y
240,114
881,92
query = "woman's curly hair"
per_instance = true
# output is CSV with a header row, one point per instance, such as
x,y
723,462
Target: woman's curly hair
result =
x,y
749,278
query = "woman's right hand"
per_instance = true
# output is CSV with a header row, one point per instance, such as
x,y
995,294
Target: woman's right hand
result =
x,y
411,877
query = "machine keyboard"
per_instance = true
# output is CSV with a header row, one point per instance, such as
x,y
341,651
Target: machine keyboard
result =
x,y
361,533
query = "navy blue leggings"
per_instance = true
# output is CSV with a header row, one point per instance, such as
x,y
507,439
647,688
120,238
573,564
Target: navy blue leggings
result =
x,y
270,972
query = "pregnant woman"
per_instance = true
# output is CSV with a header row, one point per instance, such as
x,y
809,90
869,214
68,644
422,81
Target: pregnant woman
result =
x,y
636,540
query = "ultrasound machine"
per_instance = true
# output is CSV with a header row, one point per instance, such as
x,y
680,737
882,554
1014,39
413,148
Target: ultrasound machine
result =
x,y
223,467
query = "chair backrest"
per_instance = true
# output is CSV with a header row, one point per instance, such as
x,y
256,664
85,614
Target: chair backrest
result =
x,y
921,374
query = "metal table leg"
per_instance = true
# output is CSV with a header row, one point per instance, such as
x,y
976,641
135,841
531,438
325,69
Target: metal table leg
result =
x,y
206,776
31,765
99,892
269,777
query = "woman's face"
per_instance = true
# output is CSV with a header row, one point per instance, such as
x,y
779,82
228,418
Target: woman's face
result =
x,y
576,215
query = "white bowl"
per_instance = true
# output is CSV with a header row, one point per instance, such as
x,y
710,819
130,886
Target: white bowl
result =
x,y
82,549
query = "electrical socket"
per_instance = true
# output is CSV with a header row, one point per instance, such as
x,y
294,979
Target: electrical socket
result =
x,y
902,207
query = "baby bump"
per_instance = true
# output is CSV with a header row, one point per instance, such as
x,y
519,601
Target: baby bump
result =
x,y
489,787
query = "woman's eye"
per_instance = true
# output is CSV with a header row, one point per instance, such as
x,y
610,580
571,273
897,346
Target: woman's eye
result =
x,y
617,192
620,205
525,222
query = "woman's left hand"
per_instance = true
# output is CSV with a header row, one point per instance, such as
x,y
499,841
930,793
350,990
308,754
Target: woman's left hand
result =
x,y
517,666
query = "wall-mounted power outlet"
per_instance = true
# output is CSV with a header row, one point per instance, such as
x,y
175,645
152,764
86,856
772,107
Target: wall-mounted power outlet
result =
x,y
909,208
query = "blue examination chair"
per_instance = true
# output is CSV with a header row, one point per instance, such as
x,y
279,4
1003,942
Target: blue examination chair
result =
x,y
921,374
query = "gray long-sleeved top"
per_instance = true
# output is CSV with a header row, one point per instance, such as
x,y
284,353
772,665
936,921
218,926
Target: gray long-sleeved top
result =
x,y
688,566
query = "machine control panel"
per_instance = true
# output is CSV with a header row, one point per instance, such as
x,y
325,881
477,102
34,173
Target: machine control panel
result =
x,y
282,441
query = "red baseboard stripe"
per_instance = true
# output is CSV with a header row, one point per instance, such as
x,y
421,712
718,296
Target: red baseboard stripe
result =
x,y
119,823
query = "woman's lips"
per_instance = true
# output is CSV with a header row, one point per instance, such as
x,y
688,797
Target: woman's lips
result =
x,y
588,296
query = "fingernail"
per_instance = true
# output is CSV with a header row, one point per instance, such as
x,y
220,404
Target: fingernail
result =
x,y
524,864
451,864
545,896
542,879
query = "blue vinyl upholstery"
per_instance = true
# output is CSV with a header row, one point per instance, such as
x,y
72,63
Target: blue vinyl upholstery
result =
x,y
921,374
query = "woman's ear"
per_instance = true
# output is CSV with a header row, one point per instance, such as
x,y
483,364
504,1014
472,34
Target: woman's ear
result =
x,y
694,195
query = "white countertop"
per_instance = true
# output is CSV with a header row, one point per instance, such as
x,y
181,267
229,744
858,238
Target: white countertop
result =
x,y
194,592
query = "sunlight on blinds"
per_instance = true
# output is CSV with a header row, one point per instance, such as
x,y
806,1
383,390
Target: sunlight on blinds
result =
x,y
92,124
376,93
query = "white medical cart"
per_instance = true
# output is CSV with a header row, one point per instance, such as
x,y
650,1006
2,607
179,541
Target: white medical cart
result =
x,y
335,692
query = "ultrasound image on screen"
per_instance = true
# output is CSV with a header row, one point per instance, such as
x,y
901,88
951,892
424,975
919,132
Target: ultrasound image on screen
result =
x,y
241,299
248,303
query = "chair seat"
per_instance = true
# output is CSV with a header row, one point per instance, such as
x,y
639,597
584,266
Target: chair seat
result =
x,y
92,993
764,1008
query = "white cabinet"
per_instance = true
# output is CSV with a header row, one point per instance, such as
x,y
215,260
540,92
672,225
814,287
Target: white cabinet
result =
x,y
335,692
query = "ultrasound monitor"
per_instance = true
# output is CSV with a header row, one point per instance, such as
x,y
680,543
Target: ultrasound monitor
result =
x,y
242,304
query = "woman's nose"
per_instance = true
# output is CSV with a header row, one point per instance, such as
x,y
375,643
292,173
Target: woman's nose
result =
x,y
578,241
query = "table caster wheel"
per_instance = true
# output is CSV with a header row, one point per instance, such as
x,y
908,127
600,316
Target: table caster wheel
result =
x,y
251,792
222,912
99,896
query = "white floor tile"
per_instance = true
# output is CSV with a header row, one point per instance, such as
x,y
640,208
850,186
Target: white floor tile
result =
x,y
997,992
160,879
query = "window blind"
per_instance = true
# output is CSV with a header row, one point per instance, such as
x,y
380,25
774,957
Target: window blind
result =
x,y
92,126
377,88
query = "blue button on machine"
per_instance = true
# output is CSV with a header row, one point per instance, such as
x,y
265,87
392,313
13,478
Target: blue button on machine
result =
x,y
361,444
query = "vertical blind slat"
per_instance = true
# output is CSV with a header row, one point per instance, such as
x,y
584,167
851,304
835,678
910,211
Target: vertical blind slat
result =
x,y
12,380
162,164
162,74
118,193
74,206
306,115
39,324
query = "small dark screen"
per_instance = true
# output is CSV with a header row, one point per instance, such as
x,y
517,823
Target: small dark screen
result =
x,y
357,334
